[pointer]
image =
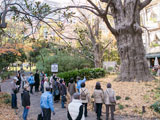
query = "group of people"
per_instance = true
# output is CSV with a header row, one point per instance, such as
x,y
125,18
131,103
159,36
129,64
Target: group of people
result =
x,y
54,89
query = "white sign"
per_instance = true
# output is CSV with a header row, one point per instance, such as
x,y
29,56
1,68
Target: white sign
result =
x,y
54,68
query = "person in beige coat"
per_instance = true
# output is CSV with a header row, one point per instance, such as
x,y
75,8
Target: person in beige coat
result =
x,y
110,101
98,96
85,97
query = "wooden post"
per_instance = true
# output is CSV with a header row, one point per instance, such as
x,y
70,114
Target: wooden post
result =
x,y
143,109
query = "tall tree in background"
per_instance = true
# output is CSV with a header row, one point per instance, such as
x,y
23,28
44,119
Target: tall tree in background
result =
x,y
128,33
91,38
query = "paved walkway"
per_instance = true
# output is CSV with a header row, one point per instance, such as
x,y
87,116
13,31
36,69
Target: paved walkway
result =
x,y
61,114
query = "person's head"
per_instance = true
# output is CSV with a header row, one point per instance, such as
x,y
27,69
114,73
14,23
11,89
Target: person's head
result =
x,y
78,78
46,79
109,85
83,85
36,71
98,86
26,87
22,75
31,74
48,88
54,74
71,80
76,96
61,81
15,79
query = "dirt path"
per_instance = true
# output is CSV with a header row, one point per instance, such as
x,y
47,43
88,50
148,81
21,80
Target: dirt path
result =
x,y
61,114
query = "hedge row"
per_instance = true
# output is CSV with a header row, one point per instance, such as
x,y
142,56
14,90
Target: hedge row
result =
x,y
89,73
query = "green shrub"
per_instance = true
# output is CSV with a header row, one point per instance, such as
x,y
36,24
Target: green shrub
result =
x,y
127,98
7,100
118,97
6,74
156,106
110,68
121,107
88,73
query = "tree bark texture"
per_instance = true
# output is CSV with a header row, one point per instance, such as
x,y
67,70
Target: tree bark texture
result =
x,y
128,34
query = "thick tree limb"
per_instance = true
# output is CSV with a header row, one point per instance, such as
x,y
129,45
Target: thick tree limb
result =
x,y
145,3
113,31
96,8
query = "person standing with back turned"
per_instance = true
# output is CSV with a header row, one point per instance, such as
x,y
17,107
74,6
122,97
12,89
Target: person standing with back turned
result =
x,y
110,101
26,101
46,104
37,81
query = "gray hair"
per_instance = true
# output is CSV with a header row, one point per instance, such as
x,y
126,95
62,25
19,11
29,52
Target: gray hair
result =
x,y
76,96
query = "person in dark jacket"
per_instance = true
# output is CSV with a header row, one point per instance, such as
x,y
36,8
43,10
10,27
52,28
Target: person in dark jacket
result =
x,y
37,80
19,80
26,101
63,92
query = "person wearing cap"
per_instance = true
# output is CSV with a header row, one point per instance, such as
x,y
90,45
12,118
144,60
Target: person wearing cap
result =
x,y
79,82
110,101
26,101
98,96
14,90
31,82
75,108
46,103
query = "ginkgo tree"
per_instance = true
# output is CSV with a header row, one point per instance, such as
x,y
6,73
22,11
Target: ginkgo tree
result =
x,y
128,33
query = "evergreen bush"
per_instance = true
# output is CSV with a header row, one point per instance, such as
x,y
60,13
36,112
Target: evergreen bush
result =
x,y
89,73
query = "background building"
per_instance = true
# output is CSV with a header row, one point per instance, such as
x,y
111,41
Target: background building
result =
x,y
150,18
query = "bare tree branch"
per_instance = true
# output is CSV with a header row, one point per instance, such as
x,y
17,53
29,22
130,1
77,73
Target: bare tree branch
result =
x,y
105,47
145,3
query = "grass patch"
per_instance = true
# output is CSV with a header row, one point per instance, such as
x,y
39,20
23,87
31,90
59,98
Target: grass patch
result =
x,y
156,106
118,97
127,98
121,107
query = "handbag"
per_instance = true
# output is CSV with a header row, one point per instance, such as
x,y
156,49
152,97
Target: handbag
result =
x,y
111,98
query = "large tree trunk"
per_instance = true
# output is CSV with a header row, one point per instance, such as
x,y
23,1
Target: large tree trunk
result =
x,y
128,33
134,66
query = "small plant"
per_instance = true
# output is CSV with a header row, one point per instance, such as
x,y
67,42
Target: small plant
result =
x,y
156,106
127,105
118,97
121,107
127,98
7,101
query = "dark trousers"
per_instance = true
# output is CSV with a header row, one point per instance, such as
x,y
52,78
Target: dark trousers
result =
x,y
14,100
31,88
36,87
42,87
112,109
98,110
85,109
46,114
